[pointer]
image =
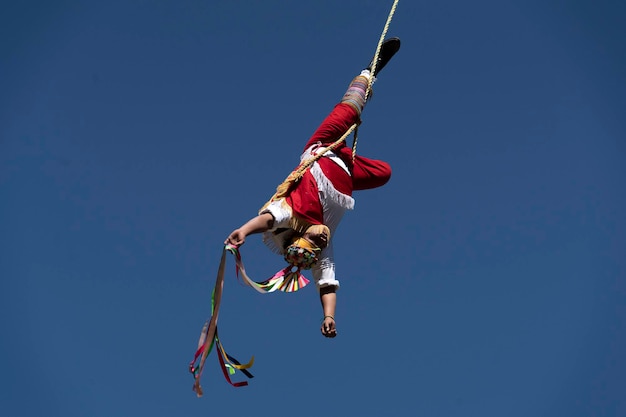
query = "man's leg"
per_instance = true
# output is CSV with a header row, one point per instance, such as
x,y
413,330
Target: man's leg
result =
x,y
348,111
355,95
345,114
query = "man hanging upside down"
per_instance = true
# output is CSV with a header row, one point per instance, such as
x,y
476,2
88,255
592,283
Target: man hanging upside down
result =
x,y
304,221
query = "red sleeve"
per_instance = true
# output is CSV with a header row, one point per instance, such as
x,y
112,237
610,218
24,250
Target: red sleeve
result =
x,y
369,173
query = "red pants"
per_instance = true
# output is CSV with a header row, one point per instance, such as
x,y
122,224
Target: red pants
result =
x,y
366,173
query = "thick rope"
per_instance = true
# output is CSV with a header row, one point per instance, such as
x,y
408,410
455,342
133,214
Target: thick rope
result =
x,y
283,189
373,69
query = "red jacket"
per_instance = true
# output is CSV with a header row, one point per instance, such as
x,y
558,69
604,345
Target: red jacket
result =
x,y
365,173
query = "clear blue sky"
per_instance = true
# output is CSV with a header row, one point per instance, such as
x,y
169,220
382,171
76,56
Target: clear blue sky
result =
x,y
486,279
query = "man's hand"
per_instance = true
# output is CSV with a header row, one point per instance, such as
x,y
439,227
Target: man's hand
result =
x,y
328,327
236,238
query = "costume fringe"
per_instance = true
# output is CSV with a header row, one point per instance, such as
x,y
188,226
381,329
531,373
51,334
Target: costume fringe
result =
x,y
325,185
274,242
277,242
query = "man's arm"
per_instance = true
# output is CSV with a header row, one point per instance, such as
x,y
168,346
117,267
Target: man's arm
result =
x,y
328,297
258,224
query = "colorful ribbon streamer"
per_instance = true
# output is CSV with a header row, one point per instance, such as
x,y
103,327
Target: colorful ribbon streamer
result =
x,y
285,280
209,338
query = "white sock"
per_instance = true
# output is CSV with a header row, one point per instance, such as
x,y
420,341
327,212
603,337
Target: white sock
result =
x,y
367,74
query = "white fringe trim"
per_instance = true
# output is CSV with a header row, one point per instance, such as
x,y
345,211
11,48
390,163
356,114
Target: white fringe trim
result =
x,y
276,243
280,210
326,186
